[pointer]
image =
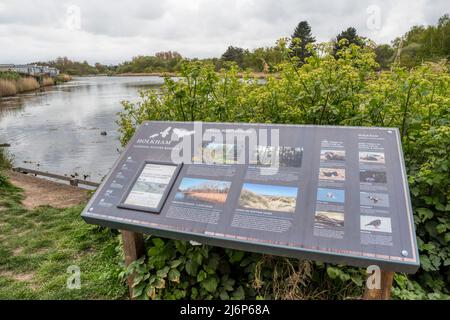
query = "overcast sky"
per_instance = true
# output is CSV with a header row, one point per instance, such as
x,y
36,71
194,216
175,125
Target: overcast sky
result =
x,y
113,31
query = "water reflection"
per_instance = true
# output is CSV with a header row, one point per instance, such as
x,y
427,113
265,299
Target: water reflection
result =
x,y
58,129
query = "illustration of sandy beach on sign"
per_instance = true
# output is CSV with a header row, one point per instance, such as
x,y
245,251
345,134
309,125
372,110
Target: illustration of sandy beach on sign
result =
x,y
203,191
268,197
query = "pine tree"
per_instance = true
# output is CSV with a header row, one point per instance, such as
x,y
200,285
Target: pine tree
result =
x,y
300,39
352,38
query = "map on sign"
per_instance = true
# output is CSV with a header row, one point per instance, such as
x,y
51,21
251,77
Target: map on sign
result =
x,y
334,194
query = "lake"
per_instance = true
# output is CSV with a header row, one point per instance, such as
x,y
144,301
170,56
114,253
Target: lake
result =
x,y
58,129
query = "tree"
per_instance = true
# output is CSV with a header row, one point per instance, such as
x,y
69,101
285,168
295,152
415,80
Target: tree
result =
x,y
384,55
425,43
352,38
235,54
300,39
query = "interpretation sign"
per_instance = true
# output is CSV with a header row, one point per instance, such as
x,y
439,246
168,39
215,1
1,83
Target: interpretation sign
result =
x,y
334,194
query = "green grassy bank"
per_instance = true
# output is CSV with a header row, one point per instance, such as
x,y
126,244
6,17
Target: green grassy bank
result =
x,y
37,247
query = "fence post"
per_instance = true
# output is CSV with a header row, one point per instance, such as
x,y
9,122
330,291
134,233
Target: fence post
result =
x,y
384,293
133,248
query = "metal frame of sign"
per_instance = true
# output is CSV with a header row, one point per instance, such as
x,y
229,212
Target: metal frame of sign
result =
x,y
165,194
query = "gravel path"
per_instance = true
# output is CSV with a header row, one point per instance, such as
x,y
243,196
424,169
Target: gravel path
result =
x,y
39,192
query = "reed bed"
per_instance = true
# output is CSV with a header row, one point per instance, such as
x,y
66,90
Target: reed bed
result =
x,y
48,82
11,87
63,77
27,84
7,87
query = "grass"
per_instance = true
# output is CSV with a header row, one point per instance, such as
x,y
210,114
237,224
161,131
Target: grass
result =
x,y
37,246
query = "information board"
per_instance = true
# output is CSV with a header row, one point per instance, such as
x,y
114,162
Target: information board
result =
x,y
327,193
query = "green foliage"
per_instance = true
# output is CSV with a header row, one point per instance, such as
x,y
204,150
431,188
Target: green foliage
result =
x,y
384,55
178,270
9,75
325,90
161,62
430,43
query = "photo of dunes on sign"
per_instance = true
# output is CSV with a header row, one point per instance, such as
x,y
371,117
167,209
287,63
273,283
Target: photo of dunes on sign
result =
x,y
268,197
329,219
203,191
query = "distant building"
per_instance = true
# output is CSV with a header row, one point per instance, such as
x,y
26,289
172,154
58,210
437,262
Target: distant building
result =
x,y
30,69
6,67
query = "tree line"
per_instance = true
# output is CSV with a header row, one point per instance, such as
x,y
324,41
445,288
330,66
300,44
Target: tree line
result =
x,y
419,44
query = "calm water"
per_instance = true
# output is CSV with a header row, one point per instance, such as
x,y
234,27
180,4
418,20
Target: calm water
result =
x,y
58,130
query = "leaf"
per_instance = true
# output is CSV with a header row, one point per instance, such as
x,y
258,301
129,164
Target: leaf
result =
x,y
181,246
158,242
210,284
191,268
239,293
175,263
227,283
174,275
447,237
224,295
213,262
441,228
334,273
424,214
236,256
162,273
201,276
150,291
137,291
160,283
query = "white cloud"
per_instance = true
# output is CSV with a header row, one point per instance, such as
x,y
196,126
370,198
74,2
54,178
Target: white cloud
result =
x,y
114,31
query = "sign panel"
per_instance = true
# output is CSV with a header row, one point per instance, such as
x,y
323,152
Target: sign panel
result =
x,y
334,194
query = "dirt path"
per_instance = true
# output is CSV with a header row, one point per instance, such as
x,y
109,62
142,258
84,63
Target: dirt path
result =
x,y
39,192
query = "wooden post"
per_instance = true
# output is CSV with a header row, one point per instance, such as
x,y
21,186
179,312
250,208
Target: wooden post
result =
x,y
384,293
133,247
